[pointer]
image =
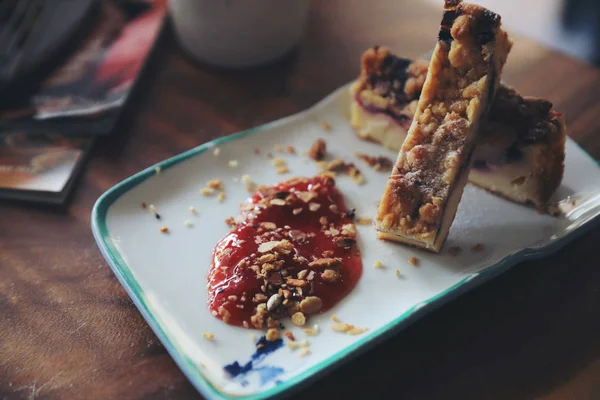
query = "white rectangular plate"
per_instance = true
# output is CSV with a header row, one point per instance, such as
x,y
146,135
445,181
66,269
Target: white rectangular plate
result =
x,y
165,274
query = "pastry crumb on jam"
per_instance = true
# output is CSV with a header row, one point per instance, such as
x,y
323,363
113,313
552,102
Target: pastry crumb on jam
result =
x,y
292,253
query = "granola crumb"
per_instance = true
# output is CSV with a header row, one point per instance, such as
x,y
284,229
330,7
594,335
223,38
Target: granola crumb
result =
x,y
207,191
334,318
397,272
290,150
379,163
305,352
326,127
299,319
296,211
233,163
193,210
157,170
272,334
454,250
356,331
164,229
378,264
364,221
413,261
216,151
341,328
298,344
278,162
477,247
282,170
208,336
216,184
221,197
188,223
318,150
290,336
311,331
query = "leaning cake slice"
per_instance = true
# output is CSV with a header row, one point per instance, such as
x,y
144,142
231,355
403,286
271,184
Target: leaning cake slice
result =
x,y
521,147
423,192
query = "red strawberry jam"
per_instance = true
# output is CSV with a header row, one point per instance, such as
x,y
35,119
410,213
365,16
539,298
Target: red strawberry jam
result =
x,y
292,253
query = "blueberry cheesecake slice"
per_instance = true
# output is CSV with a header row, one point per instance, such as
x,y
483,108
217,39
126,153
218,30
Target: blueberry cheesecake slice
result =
x,y
422,194
520,153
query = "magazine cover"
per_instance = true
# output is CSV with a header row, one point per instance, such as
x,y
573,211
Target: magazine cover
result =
x,y
95,81
44,144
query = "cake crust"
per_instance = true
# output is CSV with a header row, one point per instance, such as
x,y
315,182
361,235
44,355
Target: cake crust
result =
x,y
423,192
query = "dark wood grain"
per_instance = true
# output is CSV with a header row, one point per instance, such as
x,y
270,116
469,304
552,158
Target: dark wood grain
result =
x,y
68,330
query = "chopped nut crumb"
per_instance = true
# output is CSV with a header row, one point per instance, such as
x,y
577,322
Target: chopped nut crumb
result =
x,y
312,332
207,191
282,170
413,261
278,162
326,126
312,206
216,184
221,197
311,305
356,331
277,202
299,319
290,150
378,264
188,223
379,163
208,336
330,276
245,324
143,204
341,328
304,352
216,151
233,164
397,272
289,335
296,211
477,247
278,148
164,229
193,210
272,334
298,344
364,221
318,150
334,318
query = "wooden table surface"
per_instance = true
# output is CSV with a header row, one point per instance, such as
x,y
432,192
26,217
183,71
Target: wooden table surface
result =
x,y
68,330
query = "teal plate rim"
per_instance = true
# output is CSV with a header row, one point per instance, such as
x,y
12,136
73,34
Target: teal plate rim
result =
x,y
192,371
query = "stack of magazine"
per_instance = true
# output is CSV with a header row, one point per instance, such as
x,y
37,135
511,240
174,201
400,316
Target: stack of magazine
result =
x,y
44,144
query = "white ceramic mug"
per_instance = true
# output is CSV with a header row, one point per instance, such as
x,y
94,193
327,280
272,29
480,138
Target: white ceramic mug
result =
x,y
238,33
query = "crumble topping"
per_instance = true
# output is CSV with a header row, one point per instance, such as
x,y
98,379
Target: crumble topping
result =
x,y
318,150
435,156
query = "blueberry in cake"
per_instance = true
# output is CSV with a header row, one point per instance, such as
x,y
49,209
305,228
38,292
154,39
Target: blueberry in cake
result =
x,y
422,194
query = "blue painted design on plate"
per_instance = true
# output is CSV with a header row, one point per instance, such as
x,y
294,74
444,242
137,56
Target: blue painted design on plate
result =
x,y
267,373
